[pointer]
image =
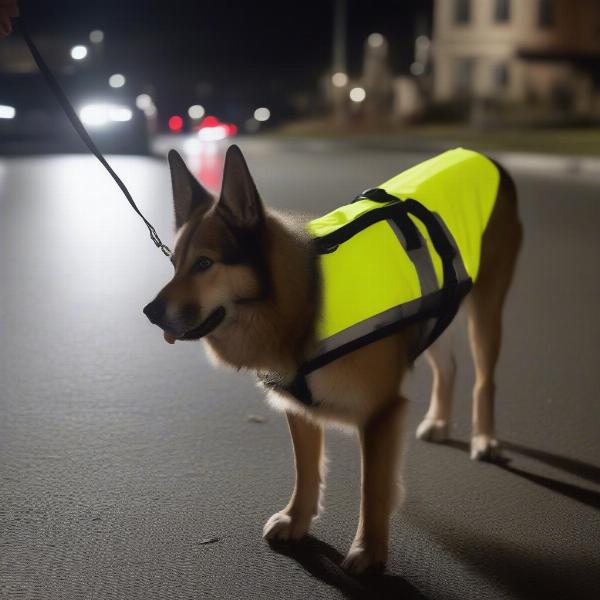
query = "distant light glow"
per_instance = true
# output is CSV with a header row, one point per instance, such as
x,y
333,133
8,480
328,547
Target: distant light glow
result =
x,y
339,79
99,115
175,123
375,40
209,121
144,102
192,145
262,114
97,36
196,111
213,134
79,52
251,125
117,80
357,94
417,68
423,42
7,112
120,113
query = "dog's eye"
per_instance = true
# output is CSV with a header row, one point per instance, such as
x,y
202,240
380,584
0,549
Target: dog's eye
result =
x,y
202,264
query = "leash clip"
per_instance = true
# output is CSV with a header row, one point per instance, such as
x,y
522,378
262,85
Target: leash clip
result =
x,y
157,241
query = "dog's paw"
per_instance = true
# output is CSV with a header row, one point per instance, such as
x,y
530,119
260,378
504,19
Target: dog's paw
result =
x,y
284,528
432,430
361,559
485,447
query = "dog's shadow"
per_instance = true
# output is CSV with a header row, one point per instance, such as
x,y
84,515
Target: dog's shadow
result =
x,y
569,465
323,561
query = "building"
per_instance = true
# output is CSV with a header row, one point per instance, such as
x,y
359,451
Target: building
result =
x,y
529,52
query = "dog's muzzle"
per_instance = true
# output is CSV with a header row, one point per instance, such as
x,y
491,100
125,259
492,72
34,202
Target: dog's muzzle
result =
x,y
156,313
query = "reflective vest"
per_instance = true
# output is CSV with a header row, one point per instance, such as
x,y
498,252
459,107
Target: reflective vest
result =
x,y
404,253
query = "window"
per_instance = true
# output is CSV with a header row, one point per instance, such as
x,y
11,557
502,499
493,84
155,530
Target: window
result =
x,y
464,69
547,13
500,76
502,11
462,11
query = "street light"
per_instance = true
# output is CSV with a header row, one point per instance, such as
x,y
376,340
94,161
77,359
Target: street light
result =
x,y
357,94
97,36
417,69
116,80
144,101
196,111
375,40
79,52
262,114
339,79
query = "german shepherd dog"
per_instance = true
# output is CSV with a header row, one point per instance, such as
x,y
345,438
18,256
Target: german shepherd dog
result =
x,y
246,281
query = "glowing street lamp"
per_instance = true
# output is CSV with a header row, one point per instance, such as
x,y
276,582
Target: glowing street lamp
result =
x,y
116,80
339,79
262,114
196,111
357,94
97,36
79,52
375,40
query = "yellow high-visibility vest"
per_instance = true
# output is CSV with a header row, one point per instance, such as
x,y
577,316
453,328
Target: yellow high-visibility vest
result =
x,y
406,252
372,281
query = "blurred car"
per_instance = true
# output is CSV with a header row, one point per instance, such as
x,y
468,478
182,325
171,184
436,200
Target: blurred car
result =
x,y
32,121
211,129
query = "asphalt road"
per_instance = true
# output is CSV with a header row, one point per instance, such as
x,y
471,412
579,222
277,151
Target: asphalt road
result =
x,y
122,456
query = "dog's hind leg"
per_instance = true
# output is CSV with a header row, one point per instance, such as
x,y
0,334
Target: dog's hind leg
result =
x,y
485,326
500,249
381,446
294,521
435,424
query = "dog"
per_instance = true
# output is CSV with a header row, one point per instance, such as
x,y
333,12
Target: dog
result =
x,y
246,282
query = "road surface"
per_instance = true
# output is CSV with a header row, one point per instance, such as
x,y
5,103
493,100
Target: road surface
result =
x,y
132,469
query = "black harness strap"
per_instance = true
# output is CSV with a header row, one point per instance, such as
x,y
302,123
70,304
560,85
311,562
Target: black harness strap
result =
x,y
453,290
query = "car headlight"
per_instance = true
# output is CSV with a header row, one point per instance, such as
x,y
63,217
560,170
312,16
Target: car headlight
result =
x,y
99,115
7,112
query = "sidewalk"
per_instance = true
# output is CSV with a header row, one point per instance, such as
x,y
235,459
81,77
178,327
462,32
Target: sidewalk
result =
x,y
528,163
553,151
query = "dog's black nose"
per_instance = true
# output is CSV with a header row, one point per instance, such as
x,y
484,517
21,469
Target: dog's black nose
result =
x,y
155,311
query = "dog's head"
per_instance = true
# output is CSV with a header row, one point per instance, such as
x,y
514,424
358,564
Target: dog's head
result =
x,y
219,256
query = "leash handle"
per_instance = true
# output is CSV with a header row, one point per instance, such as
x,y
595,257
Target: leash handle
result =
x,y
82,132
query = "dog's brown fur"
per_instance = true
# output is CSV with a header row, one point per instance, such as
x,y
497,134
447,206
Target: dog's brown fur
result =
x,y
264,274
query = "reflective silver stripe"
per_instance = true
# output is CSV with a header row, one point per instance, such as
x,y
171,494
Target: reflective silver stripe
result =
x,y
457,263
421,259
358,330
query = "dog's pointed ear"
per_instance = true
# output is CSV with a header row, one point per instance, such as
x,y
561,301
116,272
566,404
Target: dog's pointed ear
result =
x,y
188,193
239,204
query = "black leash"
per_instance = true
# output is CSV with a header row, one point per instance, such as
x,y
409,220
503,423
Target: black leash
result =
x,y
83,134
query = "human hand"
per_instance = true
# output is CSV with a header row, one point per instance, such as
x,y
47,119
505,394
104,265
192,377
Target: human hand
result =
x,y
8,9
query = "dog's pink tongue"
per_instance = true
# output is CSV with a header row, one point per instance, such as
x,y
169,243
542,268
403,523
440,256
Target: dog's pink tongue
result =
x,y
169,337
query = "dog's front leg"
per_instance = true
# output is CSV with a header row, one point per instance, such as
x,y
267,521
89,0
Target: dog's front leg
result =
x,y
381,444
295,519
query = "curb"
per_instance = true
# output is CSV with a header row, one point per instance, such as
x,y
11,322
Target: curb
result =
x,y
522,162
549,164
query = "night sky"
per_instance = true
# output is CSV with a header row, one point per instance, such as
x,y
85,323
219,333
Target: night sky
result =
x,y
229,53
